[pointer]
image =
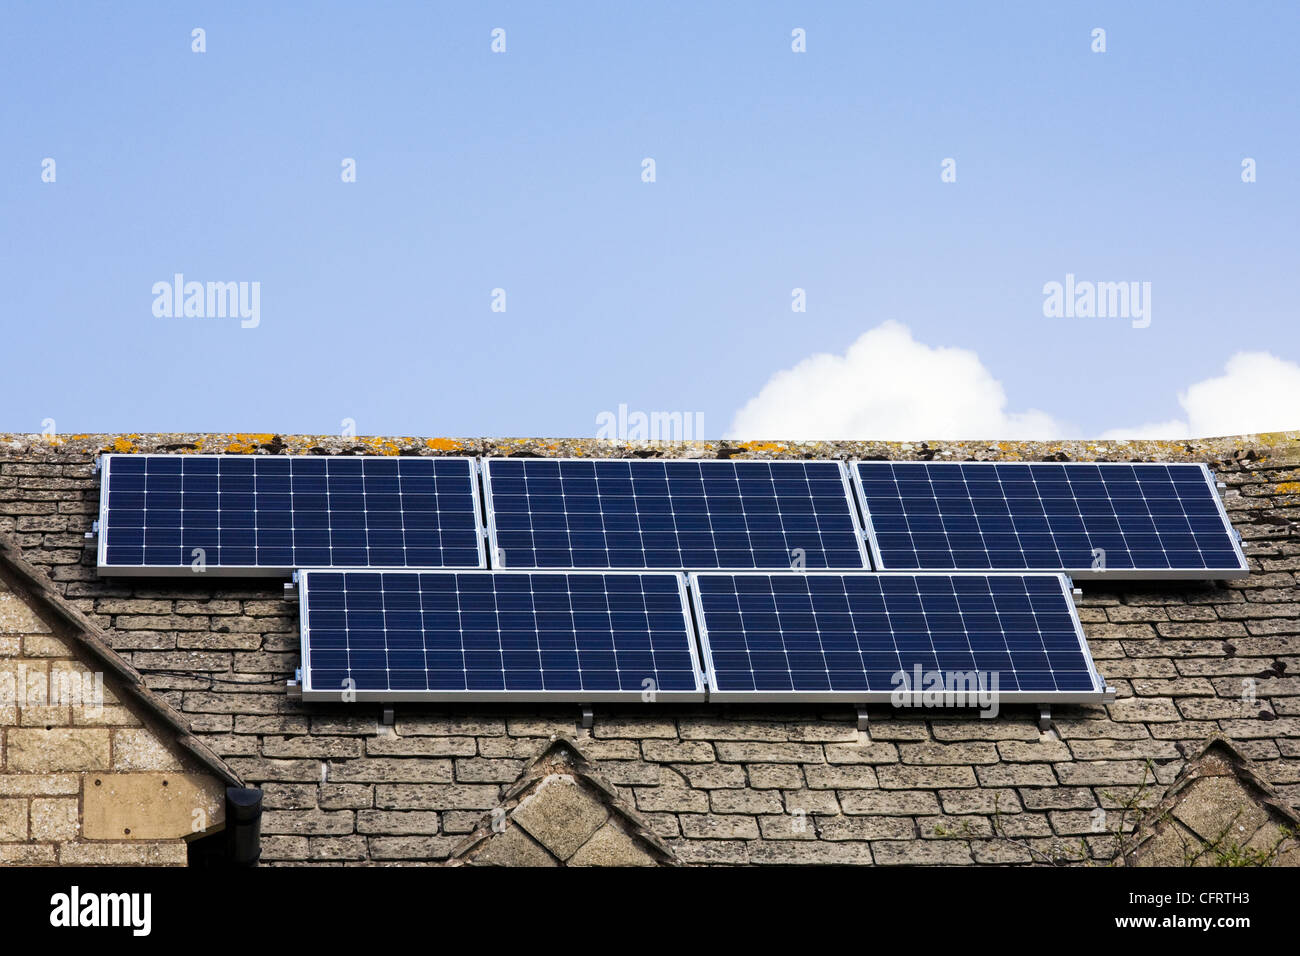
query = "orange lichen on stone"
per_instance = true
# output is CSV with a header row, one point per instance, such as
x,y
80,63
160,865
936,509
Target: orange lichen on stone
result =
x,y
761,446
1008,450
442,444
382,446
247,443
1289,488
122,446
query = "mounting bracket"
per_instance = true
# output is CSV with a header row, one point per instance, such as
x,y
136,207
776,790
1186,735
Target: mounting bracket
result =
x,y
587,719
388,717
862,719
1044,718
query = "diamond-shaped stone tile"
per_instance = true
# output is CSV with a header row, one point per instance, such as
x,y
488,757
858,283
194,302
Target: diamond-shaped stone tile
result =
x,y
561,815
1214,804
514,847
612,846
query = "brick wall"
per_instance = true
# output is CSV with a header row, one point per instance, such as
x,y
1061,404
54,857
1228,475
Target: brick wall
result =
x,y
773,784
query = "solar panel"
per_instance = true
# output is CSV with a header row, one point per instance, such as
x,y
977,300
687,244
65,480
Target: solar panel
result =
x,y
496,635
861,637
1142,520
266,515
675,514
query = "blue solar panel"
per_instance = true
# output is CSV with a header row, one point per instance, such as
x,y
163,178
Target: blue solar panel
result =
x,y
496,635
252,515
1087,519
615,513
862,637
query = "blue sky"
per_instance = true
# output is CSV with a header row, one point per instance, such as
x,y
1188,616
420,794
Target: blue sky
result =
x,y
775,170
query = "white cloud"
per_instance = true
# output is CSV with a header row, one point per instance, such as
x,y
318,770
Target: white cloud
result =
x,y
1258,392
888,386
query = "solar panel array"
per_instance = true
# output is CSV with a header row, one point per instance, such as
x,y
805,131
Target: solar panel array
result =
x,y
611,513
247,514
865,637
1116,520
596,562
485,635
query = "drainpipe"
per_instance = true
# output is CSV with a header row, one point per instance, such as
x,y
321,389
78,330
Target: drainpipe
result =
x,y
243,826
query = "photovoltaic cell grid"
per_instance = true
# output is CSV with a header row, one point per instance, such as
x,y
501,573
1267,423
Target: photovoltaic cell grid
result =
x,y
271,514
849,636
549,513
514,635
1118,520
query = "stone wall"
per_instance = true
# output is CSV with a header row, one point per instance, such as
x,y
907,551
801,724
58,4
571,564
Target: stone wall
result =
x,y
718,784
83,780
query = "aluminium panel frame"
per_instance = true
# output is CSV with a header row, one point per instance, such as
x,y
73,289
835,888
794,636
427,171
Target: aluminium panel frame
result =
x,y
1100,693
104,569
494,549
1077,574
310,693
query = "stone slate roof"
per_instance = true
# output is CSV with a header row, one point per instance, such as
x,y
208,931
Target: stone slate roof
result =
x,y
718,784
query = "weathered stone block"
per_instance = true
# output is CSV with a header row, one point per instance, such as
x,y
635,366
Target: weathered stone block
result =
x,y
308,822
746,801
311,745
897,777
876,802
678,751
705,826
54,819
397,823
123,854
16,617
775,776
712,776
412,848
671,799
936,754
13,820
842,777
40,750
137,749
867,752
741,752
